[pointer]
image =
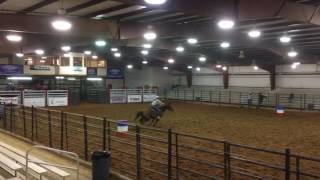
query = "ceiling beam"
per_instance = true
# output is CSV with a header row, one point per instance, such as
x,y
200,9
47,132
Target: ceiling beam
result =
x,y
37,6
83,5
108,10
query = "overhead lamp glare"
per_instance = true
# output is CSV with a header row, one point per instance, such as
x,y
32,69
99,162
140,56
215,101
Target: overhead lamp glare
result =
x,y
171,61
66,48
202,59
292,54
129,66
39,51
144,62
14,38
192,41
254,33
100,43
149,36
285,39
117,55
180,49
61,25
19,54
114,49
155,2
165,68
225,44
226,24
87,52
144,52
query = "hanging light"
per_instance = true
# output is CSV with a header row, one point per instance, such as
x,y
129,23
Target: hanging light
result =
x,y
254,33
192,40
61,25
225,44
117,55
171,61
189,67
147,46
19,54
100,43
114,49
218,66
94,57
226,24
66,48
198,68
180,49
144,62
39,51
285,39
292,53
129,66
87,52
14,38
224,68
202,59
144,52
165,68
155,2
150,35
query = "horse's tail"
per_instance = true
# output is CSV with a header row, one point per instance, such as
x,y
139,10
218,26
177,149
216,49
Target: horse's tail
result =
x,y
139,114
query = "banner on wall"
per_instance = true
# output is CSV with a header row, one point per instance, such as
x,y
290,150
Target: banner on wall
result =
x,y
134,98
8,69
69,70
115,73
39,70
91,71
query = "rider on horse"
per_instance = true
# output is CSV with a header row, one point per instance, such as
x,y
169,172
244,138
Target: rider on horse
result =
x,y
155,107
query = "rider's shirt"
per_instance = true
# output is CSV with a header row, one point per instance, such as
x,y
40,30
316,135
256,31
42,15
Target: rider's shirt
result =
x,y
157,103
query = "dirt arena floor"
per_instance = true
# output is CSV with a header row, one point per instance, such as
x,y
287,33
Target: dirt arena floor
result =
x,y
296,130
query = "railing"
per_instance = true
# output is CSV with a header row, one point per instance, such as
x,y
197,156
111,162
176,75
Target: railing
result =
x,y
297,101
146,152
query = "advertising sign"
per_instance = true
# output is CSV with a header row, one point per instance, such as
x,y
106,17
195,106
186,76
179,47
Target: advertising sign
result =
x,y
69,70
40,70
7,69
35,101
134,98
9,100
57,101
115,73
92,71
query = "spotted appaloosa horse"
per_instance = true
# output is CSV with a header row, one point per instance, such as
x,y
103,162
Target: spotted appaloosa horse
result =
x,y
150,117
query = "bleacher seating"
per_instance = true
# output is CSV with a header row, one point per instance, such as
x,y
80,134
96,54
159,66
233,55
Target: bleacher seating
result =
x,y
13,161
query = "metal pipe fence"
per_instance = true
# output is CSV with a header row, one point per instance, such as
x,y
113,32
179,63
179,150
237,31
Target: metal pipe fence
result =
x,y
146,152
297,101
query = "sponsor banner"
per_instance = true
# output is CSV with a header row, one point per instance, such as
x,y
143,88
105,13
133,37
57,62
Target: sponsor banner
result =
x,y
9,100
118,100
57,101
91,71
35,101
39,70
134,98
115,73
149,98
8,69
69,70
122,126
102,72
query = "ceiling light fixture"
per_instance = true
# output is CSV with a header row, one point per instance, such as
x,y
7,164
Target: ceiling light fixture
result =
x,y
202,59
198,68
114,49
19,54
100,43
39,51
144,62
87,52
254,33
285,39
292,53
117,55
149,36
226,24
14,38
171,61
224,68
165,68
218,66
144,52
189,67
155,2
61,25
129,66
66,48
147,46
180,49
225,44
192,41
94,57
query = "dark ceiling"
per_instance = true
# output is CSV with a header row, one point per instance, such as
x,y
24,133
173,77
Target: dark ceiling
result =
x,y
123,22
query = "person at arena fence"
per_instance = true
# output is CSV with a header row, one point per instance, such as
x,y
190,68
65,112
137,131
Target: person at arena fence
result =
x,y
155,107
260,99
291,97
249,99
